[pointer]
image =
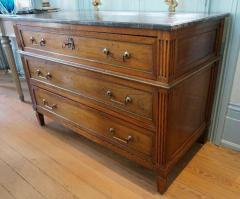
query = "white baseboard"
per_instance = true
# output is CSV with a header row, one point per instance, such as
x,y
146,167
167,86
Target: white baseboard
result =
x,y
230,145
234,107
231,131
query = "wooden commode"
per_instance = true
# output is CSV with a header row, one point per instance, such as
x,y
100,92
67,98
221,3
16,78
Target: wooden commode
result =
x,y
141,84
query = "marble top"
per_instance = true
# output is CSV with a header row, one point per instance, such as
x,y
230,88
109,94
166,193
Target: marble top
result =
x,y
149,20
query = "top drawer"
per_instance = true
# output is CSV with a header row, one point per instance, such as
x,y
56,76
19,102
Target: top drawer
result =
x,y
133,55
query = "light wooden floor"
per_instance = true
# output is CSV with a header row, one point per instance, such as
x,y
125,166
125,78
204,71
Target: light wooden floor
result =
x,y
54,163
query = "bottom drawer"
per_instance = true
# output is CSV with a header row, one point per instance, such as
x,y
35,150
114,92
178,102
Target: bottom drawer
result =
x,y
96,122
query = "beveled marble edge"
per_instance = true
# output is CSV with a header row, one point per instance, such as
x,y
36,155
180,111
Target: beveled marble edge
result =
x,y
140,20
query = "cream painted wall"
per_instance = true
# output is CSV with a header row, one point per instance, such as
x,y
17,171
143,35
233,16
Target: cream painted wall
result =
x,y
131,5
235,98
226,121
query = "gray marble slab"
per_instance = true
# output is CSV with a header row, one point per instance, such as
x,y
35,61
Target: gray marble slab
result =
x,y
145,20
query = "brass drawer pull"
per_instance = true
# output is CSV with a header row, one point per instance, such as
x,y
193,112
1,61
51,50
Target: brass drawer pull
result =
x,y
106,51
126,55
42,42
33,41
69,44
48,76
126,101
50,107
122,140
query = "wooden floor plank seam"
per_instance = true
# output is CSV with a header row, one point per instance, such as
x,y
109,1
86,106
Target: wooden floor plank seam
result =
x,y
42,171
18,179
2,140
9,192
21,176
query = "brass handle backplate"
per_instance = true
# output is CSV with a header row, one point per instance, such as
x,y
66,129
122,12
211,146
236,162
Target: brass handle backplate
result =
x,y
50,107
122,140
42,42
47,76
126,55
127,99
106,51
69,44
33,41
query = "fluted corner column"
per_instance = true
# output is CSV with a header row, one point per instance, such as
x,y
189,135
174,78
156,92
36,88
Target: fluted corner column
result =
x,y
7,49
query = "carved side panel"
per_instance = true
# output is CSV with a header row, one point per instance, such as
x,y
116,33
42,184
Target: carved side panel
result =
x,y
167,60
195,50
187,107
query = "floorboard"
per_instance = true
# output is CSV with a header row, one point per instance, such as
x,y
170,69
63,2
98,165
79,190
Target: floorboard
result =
x,y
4,193
16,184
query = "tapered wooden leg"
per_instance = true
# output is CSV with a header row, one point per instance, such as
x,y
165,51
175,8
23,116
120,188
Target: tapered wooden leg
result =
x,y
162,184
6,45
40,118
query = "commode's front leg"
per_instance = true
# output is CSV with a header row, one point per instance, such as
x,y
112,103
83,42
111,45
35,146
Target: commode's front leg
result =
x,y
40,118
162,183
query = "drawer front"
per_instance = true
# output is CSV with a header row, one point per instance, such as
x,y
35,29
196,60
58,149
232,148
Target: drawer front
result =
x,y
101,88
95,122
121,53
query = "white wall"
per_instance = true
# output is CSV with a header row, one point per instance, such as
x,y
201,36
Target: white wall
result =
x,y
226,128
131,5
231,130
235,98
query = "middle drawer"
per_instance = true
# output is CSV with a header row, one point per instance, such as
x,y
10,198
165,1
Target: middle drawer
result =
x,y
121,95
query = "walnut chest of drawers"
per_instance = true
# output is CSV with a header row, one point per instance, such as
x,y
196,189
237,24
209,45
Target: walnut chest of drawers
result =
x,y
141,90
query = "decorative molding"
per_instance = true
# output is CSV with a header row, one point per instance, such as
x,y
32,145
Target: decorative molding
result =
x,y
211,92
17,57
230,145
234,112
161,132
234,107
3,62
167,60
231,137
